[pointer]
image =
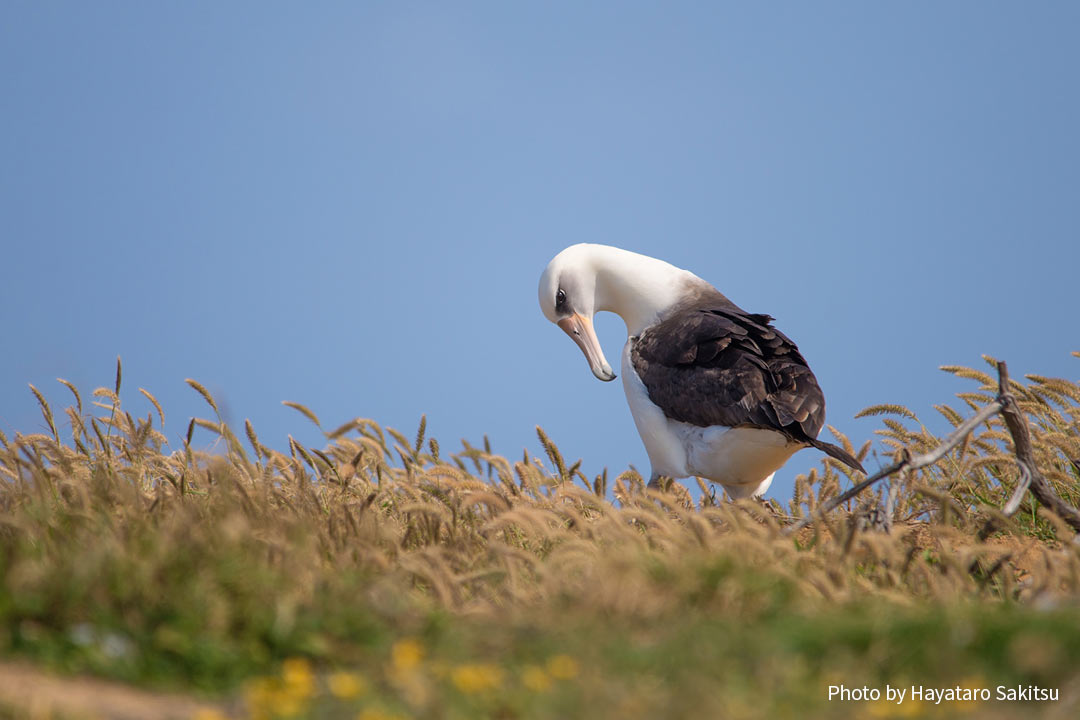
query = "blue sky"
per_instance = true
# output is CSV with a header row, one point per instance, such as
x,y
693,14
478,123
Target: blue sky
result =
x,y
349,205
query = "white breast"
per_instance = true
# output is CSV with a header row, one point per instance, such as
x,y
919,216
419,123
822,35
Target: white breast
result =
x,y
666,449
743,460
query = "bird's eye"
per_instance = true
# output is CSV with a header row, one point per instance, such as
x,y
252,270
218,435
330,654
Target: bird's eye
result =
x,y
560,299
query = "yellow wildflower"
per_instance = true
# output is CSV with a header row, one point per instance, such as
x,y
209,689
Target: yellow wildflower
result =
x,y
374,714
209,714
562,667
261,695
298,678
287,705
535,679
406,655
346,685
476,678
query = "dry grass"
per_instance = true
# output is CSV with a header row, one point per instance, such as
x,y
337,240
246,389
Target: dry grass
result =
x,y
200,570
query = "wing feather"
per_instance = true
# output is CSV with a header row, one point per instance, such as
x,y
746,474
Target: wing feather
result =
x,y
711,363
714,364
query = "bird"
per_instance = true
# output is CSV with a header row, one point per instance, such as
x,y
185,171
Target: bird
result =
x,y
715,391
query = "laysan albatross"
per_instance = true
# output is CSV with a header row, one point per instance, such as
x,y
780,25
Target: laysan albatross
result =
x,y
715,391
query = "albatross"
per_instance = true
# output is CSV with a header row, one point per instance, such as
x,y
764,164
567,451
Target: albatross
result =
x,y
716,392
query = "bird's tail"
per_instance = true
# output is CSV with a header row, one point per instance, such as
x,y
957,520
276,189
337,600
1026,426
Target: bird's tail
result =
x,y
839,453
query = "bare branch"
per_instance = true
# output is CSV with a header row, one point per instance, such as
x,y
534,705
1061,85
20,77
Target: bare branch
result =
x,y
908,461
1021,489
1018,428
1030,477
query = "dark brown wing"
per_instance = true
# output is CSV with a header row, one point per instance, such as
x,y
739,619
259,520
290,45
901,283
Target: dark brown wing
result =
x,y
714,364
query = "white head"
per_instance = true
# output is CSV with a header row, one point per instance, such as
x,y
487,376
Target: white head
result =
x,y
586,279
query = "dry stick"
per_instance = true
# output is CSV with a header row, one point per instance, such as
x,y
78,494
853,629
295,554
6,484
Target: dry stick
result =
x,y
1011,507
1021,436
1004,403
1018,494
907,461
890,507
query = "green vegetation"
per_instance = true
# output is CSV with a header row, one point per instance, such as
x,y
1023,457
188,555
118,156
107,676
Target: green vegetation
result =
x,y
380,578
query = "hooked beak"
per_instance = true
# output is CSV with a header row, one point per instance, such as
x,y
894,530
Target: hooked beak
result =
x,y
580,330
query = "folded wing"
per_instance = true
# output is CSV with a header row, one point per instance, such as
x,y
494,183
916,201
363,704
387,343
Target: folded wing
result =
x,y
711,363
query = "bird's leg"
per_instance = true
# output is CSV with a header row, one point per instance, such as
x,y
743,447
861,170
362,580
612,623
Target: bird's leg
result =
x,y
660,482
767,505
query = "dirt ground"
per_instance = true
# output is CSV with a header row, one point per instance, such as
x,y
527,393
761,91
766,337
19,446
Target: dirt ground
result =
x,y
27,692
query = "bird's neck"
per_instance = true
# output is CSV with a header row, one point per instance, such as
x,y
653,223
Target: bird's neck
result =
x,y
637,288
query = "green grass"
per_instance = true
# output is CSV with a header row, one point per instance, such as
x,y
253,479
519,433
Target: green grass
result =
x,y
378,576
